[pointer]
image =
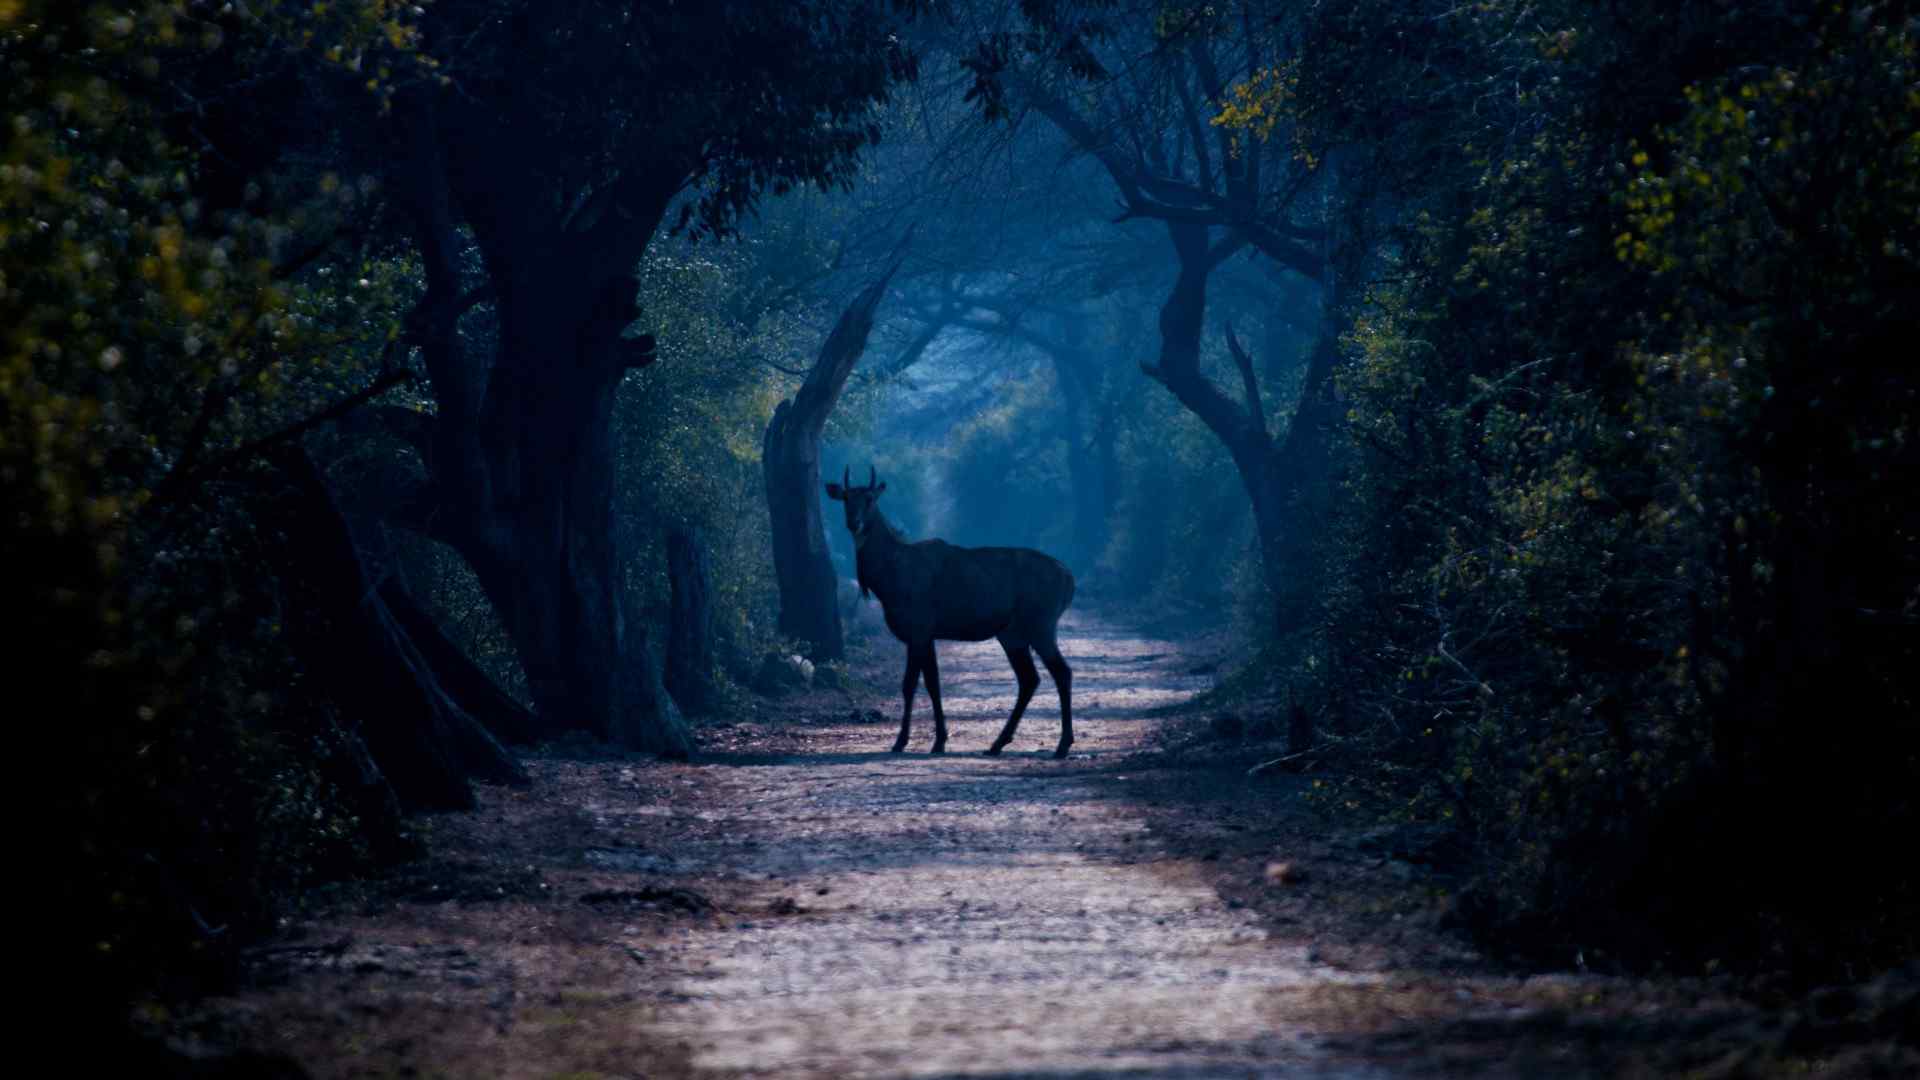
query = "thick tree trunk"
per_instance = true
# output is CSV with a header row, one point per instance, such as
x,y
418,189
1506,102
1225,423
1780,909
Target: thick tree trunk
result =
x,y
522,449
690,634
790,457
558,579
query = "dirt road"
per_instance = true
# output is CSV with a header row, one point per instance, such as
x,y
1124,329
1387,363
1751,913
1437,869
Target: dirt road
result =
x,y
969,916
800,903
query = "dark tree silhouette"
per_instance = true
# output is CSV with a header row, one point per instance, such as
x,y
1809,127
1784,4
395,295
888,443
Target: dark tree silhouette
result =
x,y
528,194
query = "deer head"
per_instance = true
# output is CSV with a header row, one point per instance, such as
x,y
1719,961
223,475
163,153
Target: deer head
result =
x,y
861,502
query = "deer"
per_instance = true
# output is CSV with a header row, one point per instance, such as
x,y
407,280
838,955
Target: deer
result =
x,y
935,591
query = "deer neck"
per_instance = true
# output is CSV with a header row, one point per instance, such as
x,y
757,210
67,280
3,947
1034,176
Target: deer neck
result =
x,y
872,555
877,536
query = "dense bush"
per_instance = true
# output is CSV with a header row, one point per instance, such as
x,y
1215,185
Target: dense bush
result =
x,y
1627,580
154,319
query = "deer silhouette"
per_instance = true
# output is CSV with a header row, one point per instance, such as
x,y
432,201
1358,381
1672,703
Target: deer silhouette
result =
x,y
934,591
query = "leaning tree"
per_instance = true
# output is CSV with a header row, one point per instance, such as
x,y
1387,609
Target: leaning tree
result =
x,y
1144,98
549,145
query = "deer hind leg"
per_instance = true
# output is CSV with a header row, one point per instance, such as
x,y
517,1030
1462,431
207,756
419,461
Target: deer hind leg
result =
x,y
1020,655
906,691
930,671
1057,667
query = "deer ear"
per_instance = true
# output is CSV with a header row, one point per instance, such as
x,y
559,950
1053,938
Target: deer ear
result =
x,y
881,488
834,492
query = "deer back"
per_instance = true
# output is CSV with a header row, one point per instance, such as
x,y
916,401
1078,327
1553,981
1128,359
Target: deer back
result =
x,y
933,589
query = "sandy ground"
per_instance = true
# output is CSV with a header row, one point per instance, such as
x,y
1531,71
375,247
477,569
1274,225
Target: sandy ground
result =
x,y
800,903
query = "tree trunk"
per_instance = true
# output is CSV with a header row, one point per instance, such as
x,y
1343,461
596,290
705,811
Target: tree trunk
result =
x,y
1240,427
1285,482
422,741
690,637
558,579
521,450
1302,465
1077,384
809,588
804,570
462,679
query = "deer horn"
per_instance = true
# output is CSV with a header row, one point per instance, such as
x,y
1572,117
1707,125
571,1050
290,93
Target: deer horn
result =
x,y
846,480
873,478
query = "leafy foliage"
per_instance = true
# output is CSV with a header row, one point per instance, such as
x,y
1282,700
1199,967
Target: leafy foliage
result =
x,y
150,325
1630,472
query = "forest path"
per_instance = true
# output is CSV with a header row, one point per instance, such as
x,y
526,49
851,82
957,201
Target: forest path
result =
x,y
971,916
800,903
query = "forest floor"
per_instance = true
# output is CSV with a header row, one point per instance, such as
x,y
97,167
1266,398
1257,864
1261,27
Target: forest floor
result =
x,y
797,902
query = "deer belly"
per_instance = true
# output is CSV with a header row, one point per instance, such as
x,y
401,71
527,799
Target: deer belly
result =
x,y
978,625
971,627
970,631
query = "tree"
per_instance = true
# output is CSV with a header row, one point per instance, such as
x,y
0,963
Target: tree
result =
x,y
1152,104
690,661
527,194
809,588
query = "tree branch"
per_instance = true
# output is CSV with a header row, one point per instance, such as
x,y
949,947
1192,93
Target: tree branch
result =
x,y
843,347
385,382
176,482
1249,386
1191,114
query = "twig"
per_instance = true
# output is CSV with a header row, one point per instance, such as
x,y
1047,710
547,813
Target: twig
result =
x,y
1281,760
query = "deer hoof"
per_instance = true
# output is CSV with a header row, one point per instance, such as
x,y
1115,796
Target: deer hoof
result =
x,y
898,748
1060,751
938,748
994,750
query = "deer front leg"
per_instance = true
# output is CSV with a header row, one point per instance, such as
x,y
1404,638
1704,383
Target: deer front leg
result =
x,y
1063,682
930,671
1021,657
906,691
